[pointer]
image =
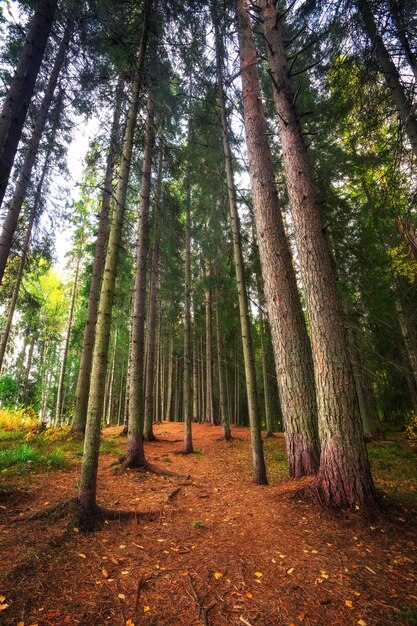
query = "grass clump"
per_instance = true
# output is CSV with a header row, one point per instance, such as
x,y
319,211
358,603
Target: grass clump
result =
x,y
27,456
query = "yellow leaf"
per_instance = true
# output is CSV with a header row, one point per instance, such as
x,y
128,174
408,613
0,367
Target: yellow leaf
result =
x,y
217,575
290,571
76,530
273,560
258,574
349,603
20,624
146,609
361,622
82,555
105,573
122,596
124,572
3,607
314,552
129,623
249,595
2,598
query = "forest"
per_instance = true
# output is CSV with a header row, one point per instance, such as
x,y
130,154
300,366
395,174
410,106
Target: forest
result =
x,y
208,320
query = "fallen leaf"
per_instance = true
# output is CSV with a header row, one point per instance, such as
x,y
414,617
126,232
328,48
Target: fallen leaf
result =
x,y
258,574
217,575
122,546
273,560
361,622
290,571
146,609
20,624
76,530
125,572
105,573
129,623
249,595
114,560
122,596
349,603
3,607
82,555
2,598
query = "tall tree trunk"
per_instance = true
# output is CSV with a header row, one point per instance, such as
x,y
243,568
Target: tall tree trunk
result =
x,y
88,482
195,371
188,441
60,392
404,106
407,333
153,292
28,368
20,93
135,456
168,415
344,478
224,413
111,382
83,382
292,351
248,356
209,410
265,377
12,216
150,362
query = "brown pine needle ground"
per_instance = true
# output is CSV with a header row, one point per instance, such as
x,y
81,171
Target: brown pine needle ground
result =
x,y
253,554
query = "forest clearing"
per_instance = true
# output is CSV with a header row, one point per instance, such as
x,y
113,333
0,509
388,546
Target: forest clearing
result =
x,y
208,320
251,552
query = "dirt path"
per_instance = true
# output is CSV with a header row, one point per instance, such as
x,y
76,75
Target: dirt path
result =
x,y
258,557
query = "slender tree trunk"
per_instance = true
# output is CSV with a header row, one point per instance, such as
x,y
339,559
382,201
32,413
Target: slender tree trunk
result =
x,y
111,382
168,415
404,106
224,413
88,482
344,478
407,334
59,399
265,377
195,371
209,411
18,98
83,382
188,441
135,456
28,367
150,362
292,351
19,195
249,360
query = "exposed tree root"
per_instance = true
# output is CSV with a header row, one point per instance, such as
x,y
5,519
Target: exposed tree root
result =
x,y
203,612
125,464
270,436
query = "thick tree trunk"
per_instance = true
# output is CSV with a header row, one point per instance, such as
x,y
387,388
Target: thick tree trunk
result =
x,y
292,351
61,380
135,456
404,106
88,481
83,381
248,356
12,216
344,479
18,98
188,441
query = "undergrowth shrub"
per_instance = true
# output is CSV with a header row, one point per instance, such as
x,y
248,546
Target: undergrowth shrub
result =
x,y
23,418
411,427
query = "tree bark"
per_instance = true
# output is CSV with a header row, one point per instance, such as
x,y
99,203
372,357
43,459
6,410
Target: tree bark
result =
x,y
292,351
344,478
83,381
248,356
135,456
12,216
401,33
88,481
20,93
187,409
404,106
224,413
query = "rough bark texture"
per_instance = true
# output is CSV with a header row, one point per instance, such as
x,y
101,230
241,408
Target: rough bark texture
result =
x,y
248,356
12,216
344,479
404,106
83,381
224,414
294,367
135,456
88,481
209,409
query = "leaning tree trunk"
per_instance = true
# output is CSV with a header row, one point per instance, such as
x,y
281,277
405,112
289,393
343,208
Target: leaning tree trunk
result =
x,y
293,360
135,455
18,98
344,478
88,481
83,381
248,355
405,108
60,392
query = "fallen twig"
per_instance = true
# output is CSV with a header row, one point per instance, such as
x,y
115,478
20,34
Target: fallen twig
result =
x,y
203,612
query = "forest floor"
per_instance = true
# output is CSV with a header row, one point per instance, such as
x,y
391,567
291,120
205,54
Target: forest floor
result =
x,y
249,555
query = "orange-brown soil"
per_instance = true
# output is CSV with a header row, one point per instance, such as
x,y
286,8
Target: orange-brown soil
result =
x,y
252,555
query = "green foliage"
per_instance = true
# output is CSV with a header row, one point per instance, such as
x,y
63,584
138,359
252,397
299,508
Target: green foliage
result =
x,y
411,427
24,455
21,419
8,390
